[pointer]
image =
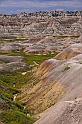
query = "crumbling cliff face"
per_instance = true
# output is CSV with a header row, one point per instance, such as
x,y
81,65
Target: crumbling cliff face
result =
x,y
39,35
68,74
60,84
36,25
33,25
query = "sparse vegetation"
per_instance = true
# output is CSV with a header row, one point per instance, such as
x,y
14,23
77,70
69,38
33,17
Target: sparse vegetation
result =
x,y
16,117
66,68
30,58
12,82
65,36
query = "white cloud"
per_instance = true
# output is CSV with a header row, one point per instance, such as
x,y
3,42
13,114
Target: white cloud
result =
x,y
44,4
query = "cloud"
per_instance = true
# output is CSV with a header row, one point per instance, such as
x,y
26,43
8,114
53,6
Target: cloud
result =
x,y
40,4
37,3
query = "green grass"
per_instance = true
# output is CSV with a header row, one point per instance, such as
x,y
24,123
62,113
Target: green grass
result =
x,y
15,113
30,58
13,39
38,58
16,117
16,78
64,36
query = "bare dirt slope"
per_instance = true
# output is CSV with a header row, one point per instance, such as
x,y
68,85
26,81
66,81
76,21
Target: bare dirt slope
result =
x,y
68,74
59,79
66,112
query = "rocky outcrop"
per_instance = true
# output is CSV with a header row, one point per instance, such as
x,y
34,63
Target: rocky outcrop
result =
x,y
60,84
39,34
64,112
11,63
70,52
68,74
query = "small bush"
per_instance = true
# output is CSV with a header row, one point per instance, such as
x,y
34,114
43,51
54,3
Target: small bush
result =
x,y
66,68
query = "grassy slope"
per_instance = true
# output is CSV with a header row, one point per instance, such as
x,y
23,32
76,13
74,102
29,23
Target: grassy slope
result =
x,y
11,107
14,113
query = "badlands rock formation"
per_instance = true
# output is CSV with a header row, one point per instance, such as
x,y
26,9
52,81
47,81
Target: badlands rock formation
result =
x,y
60,84
70,52
51,91
68,75
66,112
39,34
8,62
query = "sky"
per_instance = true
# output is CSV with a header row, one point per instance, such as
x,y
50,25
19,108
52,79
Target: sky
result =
x,y
17,6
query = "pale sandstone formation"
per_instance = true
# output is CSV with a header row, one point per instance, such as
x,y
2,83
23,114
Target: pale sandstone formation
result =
x,y
68,108
60,84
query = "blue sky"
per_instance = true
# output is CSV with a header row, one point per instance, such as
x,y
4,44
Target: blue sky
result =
x,y
17,6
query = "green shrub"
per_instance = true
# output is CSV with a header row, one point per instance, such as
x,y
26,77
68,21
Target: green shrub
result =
x,y
66,68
